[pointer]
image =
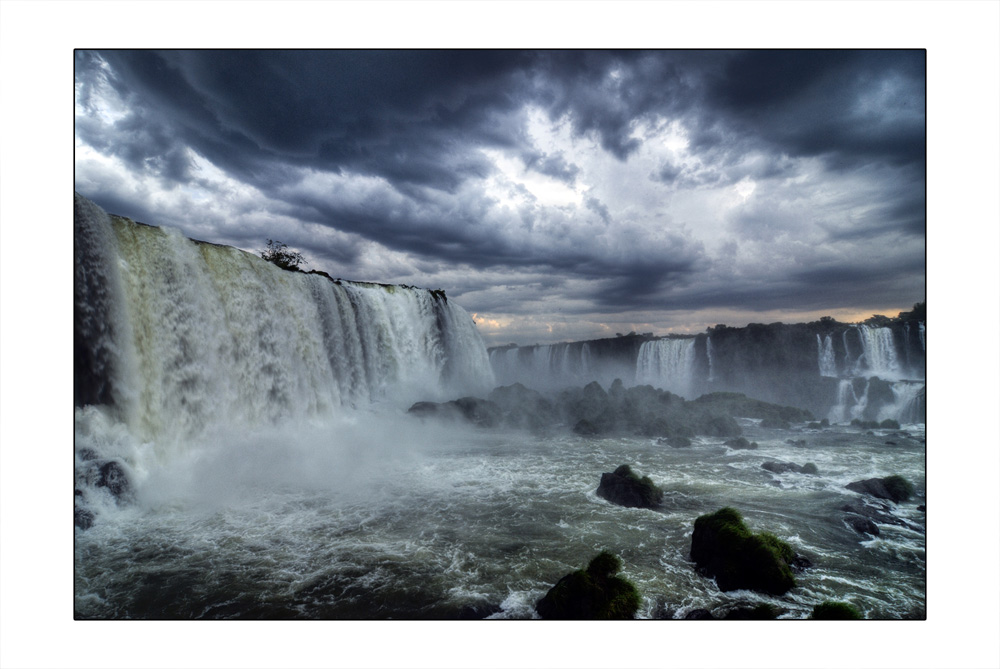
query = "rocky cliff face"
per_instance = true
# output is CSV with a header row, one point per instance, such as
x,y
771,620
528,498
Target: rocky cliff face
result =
x,y
870,371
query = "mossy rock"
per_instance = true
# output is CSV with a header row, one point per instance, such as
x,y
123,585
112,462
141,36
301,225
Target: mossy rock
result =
x,y
895,488
759,612
775,422
594,593
724,547
836,611
625,487
889,424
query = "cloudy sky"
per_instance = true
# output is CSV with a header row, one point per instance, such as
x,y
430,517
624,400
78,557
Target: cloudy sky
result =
x,y
556,195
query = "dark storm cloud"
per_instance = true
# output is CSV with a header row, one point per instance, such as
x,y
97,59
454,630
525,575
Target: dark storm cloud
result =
x,y
851,106
417,128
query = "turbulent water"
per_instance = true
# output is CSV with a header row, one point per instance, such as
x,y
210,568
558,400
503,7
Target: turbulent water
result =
x,y
363,517
257,419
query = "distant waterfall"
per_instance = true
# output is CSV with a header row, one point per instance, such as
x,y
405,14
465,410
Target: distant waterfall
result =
x,y
543,366
711,364
849,405
880,356
827,359
668,364
177,335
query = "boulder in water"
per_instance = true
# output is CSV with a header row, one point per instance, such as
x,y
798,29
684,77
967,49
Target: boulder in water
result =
x,y
113,477
722,546
594,593
624,487
895,488
862,525
758,612
524,408
479,412
785,467
741,443
699,614
835,611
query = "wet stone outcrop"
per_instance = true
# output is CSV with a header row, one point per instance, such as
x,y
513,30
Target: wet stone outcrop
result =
x,y
594,593
625,488
785,467
894,488
479,412
723,547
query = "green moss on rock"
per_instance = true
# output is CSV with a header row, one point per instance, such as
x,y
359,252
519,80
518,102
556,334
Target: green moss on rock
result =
x,y
899,488
724,547
836,611
594,593
625,487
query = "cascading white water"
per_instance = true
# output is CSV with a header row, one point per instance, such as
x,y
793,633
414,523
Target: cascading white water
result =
x,y
880,357
711,365
668,364
827,360
849,405
905,408
211,335
545,366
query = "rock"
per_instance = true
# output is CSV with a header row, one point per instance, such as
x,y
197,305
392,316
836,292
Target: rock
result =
x,y
879,512
759,612
83,518
835,611
625,488
479,412
922,508
585,428
894,488
785,467
799,564
699,614
112,476
741,443
595,593
524,408
675,442
862,525
478,611
780,467
722,546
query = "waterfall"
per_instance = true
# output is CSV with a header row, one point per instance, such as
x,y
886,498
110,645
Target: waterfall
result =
x,y
708,352
847,352
177,335
667,364
880,357
908,404
543,365
827,360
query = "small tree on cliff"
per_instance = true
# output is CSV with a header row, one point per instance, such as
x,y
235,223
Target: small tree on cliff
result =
x,y
278,253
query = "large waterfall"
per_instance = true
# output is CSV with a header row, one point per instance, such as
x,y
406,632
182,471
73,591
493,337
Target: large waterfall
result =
x,y
668,364
879,355
174,336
